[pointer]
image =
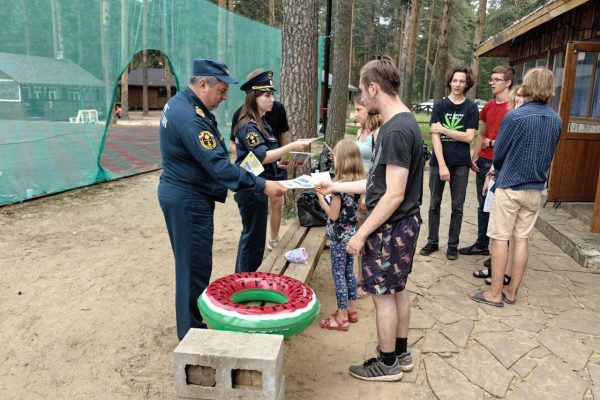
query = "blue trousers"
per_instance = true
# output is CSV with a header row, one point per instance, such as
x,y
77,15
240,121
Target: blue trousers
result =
x,y
482,217
254,208
189,219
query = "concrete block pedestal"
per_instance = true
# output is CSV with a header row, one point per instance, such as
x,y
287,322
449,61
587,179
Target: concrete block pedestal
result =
x,y
211,364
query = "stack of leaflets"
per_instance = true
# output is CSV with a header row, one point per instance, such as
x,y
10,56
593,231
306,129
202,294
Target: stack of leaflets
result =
x,y
294,159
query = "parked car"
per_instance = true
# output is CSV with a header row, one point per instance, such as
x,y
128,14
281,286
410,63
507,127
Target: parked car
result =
x,y
480,103
425,106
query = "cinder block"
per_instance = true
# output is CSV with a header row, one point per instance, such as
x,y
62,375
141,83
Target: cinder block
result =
x,y
211,364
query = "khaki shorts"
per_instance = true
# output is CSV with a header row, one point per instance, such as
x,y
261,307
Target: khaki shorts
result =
x,y
513,213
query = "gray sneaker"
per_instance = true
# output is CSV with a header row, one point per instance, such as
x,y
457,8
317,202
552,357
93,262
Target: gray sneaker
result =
x,y
374,369
405,360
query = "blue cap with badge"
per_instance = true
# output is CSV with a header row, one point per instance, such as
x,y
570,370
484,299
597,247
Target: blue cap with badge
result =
x,y
218,69
262,82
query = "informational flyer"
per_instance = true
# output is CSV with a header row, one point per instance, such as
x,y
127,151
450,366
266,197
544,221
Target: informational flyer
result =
x,y
294,159
301,182
489,197
310,140
319,177
252,164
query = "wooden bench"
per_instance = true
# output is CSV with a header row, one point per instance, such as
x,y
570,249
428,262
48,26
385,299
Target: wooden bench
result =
x,y
312,239
241,376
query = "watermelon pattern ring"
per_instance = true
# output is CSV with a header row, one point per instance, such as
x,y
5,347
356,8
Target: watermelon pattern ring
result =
x,y
223,307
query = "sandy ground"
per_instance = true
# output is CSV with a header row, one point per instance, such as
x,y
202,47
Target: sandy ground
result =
x,y
87,301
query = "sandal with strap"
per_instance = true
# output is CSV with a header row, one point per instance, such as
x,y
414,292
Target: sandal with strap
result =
x,y
361,293
341,325
488,281
483,273
353,317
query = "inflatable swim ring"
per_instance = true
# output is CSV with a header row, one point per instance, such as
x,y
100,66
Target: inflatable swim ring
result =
x,y
223,307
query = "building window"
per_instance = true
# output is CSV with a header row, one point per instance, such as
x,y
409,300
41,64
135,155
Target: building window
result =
x,y
38,93
9,90
53,94
74,95
558,68
585,90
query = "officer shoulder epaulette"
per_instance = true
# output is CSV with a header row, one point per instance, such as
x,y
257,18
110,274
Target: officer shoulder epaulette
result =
x,y
199,112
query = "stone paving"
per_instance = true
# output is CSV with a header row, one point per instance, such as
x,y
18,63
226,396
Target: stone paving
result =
x,y
546,346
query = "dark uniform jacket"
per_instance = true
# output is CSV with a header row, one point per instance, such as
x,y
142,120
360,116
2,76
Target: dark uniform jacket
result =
x,y
194,154
250,139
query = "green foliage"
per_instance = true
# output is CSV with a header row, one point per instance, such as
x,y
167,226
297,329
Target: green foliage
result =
x,y
351,130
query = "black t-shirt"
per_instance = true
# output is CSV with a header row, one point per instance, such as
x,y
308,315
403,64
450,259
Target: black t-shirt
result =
x,y
276,118
399,143
456,117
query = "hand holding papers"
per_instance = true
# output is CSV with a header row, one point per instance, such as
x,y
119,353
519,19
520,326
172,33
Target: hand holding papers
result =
x,y
305,181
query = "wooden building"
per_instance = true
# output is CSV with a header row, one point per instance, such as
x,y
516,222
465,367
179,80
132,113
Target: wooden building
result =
x,y
157,88
33,87
564,35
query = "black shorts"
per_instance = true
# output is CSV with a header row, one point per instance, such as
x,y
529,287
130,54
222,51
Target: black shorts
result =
x,y
388,256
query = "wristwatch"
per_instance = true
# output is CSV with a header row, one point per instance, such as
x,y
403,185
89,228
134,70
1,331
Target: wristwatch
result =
x,y
491,144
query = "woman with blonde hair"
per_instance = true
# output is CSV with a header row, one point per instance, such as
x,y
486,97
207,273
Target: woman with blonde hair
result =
x,y
365,139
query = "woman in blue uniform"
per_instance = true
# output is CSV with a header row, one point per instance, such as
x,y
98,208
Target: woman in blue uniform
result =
x,y
253,134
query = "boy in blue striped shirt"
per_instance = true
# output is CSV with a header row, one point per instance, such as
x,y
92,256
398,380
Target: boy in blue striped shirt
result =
x,y
526,142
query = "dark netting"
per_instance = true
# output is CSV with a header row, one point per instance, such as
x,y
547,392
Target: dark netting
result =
x,y
60,61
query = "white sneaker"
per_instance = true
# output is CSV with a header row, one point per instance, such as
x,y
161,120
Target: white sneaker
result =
x,y
272,243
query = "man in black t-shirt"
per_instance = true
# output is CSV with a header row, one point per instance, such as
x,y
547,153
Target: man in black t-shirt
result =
x,y
277,120
388,237
454,121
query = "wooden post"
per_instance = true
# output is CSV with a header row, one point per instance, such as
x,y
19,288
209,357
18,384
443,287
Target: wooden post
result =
x,y
596,216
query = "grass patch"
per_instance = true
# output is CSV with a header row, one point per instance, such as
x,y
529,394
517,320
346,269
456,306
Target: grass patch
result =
x,y
351,130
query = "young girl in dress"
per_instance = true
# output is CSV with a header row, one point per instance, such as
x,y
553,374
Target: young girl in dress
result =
x,y
342,221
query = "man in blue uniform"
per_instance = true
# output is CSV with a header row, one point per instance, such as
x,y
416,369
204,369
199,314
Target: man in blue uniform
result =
x,y
196,173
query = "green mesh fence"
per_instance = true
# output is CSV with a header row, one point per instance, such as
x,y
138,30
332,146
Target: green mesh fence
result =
x,y
60,61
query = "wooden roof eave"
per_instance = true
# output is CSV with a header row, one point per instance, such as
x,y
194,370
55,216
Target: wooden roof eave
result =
x,y
500,44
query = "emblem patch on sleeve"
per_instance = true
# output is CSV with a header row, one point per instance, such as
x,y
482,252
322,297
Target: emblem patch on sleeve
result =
x,y
252,139
199,112
207,140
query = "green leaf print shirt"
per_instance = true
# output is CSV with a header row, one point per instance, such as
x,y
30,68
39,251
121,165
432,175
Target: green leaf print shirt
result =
x,y
456,117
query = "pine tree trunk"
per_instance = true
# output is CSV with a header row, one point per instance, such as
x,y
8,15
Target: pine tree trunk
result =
x,y
299,76
411,52
105,57
125,94
167,76
124,59
26,26
271,12
146,111
476,42
370,36
427,68
338,102
221,45
404,51
439,90
57,30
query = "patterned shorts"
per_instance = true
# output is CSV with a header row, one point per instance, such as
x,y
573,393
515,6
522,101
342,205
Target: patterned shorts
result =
x,y
388,256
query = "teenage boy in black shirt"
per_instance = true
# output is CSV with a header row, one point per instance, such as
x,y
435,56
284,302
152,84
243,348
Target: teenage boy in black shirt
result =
x,y
454,120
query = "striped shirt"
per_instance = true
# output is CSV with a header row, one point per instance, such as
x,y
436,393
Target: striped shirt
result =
x,y
525,146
